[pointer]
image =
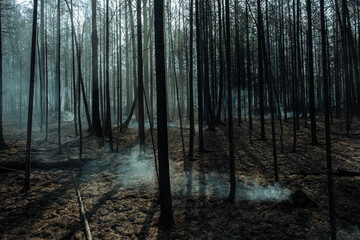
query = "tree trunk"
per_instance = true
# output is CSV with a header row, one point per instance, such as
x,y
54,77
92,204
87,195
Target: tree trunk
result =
x,y
95,90
191,84
327,126
58,75
261,72
314,140
248,72
107,87
199,77
140,78
166,213
31,96
229,105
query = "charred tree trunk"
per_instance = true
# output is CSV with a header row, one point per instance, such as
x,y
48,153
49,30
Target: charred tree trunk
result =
x,y
261,71
191,83
31,98
140,78
58,75
107,87
221,70
314,140
166,213
95,88
199,77
327,126
229,105
248,72
2,142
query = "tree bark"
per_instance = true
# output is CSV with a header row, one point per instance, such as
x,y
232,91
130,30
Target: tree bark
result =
x,y
95,88
329,170
166,213
31,98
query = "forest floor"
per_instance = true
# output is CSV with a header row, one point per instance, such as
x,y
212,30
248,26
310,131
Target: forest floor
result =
x,y
120,196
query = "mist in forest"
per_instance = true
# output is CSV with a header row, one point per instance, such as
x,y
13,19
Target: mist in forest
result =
x,y
136,168
247,189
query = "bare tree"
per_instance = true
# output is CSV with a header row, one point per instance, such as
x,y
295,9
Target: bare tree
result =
x,y
95,90
166,213
31,100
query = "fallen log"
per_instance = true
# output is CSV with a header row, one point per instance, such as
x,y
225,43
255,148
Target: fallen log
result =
x,y
82,213
11,170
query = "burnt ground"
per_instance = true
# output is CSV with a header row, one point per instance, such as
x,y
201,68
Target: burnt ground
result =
x,y
120,195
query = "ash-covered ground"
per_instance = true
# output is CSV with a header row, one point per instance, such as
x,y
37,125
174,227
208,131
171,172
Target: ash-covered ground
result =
x,y
120,196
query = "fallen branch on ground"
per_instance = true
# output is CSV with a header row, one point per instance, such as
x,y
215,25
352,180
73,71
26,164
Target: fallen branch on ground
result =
x,y
82,213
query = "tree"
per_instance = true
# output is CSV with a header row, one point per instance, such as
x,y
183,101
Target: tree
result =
x,y
166,213
2,142
31,99
229,104
221,71
107,87
42,61
261,70
140,78
95,90
58,75
191,83
314,140
199,77
329,171
248,72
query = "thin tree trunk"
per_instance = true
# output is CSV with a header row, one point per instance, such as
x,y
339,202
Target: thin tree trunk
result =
x,y
314,140
191,84
199,78
140,78
58,75
261,72
95,90
327,126
107,87
31,96
230,116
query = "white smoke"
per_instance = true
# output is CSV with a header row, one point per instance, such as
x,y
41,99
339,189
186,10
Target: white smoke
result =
x,y
213,185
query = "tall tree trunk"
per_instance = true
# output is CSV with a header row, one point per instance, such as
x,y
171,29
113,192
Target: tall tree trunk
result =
x,y
221,70
311,75
261,72
46,87
248,72
166,213
107,87
31,96
229,105
140,78
199,77
95,89
2,142
58,75
73,73
327,126
42,62
191,84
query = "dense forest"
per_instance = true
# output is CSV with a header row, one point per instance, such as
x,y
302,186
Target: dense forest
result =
x,y
195,119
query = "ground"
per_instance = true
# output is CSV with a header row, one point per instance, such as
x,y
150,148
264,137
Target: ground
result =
x,y
120,196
